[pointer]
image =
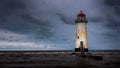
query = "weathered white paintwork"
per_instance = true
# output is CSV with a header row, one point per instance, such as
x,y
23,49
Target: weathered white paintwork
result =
x,y
81,35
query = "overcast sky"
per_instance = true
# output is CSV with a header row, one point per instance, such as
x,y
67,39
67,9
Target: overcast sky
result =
x,y
50,24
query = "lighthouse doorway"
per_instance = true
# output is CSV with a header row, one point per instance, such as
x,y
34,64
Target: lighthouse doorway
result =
x,y
81,46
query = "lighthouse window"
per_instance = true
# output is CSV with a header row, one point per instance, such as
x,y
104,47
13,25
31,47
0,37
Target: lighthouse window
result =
x,y
84,19
78,37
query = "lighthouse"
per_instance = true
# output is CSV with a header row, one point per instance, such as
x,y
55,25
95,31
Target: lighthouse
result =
x,y
81,33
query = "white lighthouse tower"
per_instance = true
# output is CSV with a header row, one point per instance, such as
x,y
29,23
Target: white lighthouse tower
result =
x,y
81,33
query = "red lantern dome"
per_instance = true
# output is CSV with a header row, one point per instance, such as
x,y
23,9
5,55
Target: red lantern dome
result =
x,y
81,14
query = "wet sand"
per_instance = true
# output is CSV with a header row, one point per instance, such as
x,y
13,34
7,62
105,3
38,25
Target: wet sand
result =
x,y
57,59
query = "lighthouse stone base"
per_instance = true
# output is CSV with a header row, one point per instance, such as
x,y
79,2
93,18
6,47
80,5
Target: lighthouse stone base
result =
x,y
79,50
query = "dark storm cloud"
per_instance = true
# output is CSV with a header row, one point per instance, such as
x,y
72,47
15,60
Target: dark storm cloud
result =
x,y
113,17
112,3
11,6
67,20
19,30
111,23
14,17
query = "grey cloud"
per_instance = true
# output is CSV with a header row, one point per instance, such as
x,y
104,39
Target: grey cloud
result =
x,y
112,16
14,17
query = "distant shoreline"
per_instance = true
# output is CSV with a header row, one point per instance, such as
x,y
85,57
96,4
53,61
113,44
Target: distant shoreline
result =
x,y
48,50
